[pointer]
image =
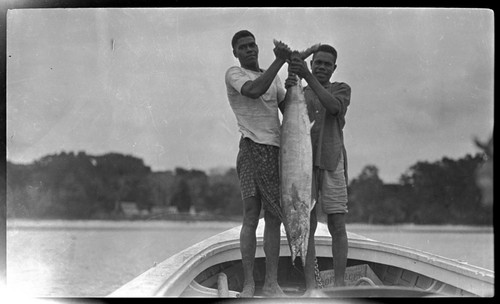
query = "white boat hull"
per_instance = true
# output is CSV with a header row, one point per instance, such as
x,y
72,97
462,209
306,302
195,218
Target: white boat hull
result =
x,y
398,265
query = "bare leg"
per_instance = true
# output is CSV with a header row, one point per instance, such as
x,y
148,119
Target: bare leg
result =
x,y
311,255
336,226
272,236
248,242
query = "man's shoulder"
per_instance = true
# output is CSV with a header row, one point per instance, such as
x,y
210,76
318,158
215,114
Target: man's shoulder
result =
x,y
233,68
333,85
340,85
233,73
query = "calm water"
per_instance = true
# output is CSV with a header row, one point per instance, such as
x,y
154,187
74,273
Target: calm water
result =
x,y
94,258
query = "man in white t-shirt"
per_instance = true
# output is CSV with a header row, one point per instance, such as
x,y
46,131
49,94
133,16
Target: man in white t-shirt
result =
x,y
254,95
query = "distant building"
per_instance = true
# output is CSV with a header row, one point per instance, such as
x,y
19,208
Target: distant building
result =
x,y
164,210
129,208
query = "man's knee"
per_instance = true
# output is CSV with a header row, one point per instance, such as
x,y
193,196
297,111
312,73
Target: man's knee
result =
x,y
251,212
336,223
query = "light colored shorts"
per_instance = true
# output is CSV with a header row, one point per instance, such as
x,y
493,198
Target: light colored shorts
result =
x,y
329,188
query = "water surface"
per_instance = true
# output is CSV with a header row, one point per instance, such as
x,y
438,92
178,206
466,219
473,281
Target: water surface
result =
x,y
94,258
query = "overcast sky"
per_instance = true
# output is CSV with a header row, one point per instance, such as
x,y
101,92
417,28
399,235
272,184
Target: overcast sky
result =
x,y
150,82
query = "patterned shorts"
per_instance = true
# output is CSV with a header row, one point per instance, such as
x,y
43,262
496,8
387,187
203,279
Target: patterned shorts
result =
x,y
258,170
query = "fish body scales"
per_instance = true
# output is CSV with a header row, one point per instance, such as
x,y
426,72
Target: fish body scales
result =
x,y
296,172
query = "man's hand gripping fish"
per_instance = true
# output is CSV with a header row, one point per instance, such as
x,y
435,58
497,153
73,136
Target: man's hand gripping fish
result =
x,y
296,166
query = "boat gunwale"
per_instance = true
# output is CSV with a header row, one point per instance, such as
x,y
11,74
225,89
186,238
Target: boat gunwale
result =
x,y
163,279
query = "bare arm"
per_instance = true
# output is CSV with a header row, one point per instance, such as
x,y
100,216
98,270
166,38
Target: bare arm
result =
x,y
299,67
331,104
256,88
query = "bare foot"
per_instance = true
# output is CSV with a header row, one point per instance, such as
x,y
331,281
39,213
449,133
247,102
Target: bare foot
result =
x,y
312,293
273,291
248,291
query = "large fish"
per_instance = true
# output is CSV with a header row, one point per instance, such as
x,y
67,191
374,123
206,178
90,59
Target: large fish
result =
x,y
296,166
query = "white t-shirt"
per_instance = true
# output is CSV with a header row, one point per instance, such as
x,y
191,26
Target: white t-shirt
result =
x,y
257,118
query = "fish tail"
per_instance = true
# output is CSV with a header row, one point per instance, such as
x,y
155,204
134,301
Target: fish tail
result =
x,y
304,54
313,204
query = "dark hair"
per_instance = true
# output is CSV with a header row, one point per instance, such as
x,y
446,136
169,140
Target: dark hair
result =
x,y
240,34
327,49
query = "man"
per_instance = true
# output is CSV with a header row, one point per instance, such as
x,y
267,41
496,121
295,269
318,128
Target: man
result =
x,y
254,95
327,105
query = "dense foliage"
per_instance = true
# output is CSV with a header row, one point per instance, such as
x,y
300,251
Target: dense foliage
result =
x,y
443,192
82,186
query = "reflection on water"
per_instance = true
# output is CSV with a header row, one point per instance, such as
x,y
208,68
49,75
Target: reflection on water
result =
x,y
94,258
64,258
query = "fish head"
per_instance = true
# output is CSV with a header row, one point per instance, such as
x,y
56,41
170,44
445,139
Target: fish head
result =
x,y
298,239
298,247
294,241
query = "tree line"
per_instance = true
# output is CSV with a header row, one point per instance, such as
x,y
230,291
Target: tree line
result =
x,y
81,186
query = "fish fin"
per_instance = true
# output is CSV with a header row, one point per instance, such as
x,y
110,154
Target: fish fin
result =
x,y
312,205
310,127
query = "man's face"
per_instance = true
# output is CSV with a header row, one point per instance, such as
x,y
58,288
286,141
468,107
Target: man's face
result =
x,y
247,51
322,66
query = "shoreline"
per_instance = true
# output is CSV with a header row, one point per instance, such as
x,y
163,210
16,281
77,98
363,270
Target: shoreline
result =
x,y
218,223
